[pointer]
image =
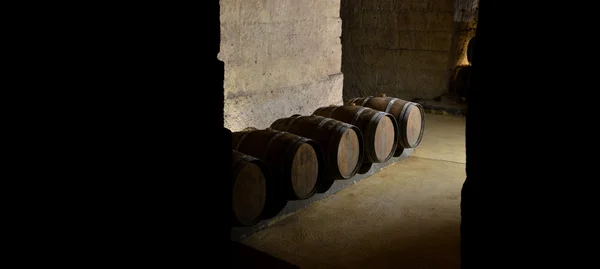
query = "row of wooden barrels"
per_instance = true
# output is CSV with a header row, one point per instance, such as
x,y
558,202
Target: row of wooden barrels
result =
x,y
299,156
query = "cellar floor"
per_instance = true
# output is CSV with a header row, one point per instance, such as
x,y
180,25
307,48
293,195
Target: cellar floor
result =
x,y
405,216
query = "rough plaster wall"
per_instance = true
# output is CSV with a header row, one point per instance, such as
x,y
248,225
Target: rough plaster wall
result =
x,y
282,57
397,47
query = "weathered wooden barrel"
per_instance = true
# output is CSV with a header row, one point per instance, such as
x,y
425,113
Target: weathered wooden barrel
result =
x,y
342,144
410,117
379,129
296,163
250,178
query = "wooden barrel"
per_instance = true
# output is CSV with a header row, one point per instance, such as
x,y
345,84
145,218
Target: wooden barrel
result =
x,y
410,117
296,162
379,129
342,144
250,178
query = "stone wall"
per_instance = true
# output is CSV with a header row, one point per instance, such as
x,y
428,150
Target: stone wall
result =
x,y
397,47
282,57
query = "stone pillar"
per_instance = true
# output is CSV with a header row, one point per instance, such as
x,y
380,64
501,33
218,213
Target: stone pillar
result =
x,y
465,23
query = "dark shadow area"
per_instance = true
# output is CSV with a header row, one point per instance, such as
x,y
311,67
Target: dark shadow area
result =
x,y
248,257
509,199
137,164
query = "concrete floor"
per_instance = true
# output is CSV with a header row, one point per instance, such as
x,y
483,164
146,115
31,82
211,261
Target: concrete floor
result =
x,y
406,216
